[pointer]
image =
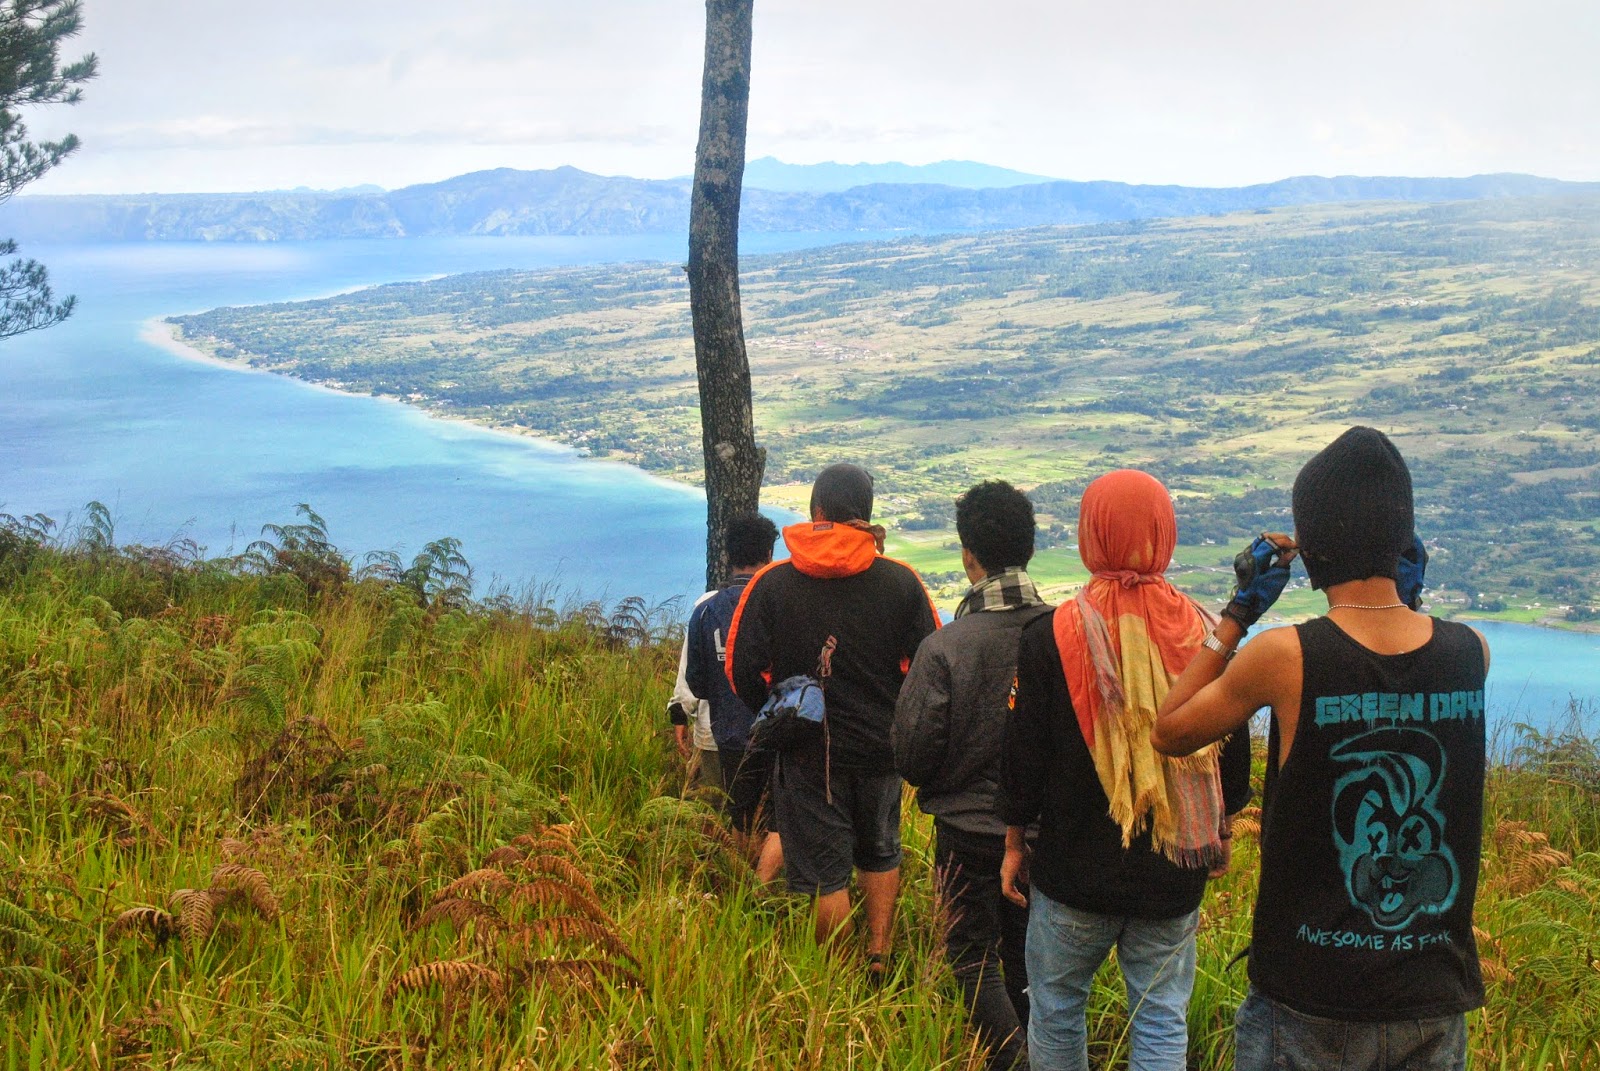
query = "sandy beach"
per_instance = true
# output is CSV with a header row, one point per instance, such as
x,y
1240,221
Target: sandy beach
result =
x,y
166,336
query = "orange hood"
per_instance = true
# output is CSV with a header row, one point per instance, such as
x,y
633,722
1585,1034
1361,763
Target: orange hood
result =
x,y
829,549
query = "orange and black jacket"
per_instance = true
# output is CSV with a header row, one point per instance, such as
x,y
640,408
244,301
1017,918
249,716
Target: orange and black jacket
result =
x,y
835,583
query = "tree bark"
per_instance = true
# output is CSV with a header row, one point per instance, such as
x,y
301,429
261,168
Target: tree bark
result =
x,y
734,463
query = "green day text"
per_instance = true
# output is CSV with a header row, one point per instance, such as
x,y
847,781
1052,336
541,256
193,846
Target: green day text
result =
x,y
1400,708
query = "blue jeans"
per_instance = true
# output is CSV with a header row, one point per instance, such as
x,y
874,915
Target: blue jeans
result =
x,y
1065,948
1271,1037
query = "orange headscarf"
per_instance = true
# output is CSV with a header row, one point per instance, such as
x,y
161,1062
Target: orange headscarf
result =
x,y
1123,641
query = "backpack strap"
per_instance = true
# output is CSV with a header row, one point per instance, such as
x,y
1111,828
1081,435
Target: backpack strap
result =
x,y
824,671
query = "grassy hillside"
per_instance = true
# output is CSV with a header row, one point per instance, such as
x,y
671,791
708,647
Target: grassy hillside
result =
x,y
266,812
1217,352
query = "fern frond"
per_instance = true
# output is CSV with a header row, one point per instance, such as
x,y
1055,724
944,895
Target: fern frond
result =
x,y
15,917
39,780
543,845
460,913
251,884
148,919
1496,972
587,972
1248,822
196,912
503,856
553,892
556,866
485,879
572,928
28,979
450,975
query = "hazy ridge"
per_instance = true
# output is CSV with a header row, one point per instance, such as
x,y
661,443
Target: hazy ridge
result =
x,y
567,201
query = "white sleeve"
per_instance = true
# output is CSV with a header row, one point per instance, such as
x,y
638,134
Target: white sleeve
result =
x,y
681,694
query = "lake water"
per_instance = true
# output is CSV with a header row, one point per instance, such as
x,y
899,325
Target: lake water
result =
x,y
93,411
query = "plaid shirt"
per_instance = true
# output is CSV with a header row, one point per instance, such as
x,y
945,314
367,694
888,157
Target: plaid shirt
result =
x,y
1009,589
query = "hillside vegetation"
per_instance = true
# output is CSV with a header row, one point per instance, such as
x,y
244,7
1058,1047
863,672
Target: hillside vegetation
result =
x,y
1217,352
277,811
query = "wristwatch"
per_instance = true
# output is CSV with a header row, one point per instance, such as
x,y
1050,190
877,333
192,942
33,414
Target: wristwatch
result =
x,y
1212,643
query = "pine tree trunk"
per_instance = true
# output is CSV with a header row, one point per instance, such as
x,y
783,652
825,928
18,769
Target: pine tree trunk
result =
x,y
734,463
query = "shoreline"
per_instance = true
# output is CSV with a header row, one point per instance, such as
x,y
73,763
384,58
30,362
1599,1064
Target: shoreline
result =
x,y
167,336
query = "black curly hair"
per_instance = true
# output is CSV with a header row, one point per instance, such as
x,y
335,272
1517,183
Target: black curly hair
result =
x,y
995,522
749,540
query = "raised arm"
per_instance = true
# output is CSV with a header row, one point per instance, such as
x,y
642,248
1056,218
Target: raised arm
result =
x,y
1207,703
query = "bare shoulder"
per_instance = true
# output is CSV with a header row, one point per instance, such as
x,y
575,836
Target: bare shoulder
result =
x,y
1270,648
1483,641
1267,671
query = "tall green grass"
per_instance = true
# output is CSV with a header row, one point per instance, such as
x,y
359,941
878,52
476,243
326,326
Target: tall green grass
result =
x,y
364,740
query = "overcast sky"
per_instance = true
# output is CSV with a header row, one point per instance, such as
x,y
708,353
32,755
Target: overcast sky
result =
x,y
241,94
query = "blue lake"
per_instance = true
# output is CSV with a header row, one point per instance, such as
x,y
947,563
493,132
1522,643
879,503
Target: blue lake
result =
x,y
178,448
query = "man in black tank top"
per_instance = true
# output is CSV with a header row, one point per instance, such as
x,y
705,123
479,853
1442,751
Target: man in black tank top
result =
x,y
1362,954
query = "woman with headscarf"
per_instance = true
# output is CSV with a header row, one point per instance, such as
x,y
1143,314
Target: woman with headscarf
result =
x,y
1127,837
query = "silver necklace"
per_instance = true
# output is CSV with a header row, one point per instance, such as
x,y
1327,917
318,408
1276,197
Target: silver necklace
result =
x,y
1360,606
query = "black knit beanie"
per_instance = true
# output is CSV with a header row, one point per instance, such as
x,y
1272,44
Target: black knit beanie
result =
x,y
842,492
1352,509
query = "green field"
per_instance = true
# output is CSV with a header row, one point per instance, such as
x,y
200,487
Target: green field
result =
x,y
1218,353
258,812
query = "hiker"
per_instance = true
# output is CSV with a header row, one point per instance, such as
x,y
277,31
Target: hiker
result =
x,y
1127,838
695,744
836,796
746,773
948,727
1362,953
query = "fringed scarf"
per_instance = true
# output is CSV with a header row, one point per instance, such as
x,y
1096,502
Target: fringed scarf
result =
x,y
1009,589
1123,641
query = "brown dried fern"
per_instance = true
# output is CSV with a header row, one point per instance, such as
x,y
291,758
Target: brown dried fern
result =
x,y
504,856
196,911
151,920
1526,858
1495,971
552,892
39,780
572,928
485,879
546,845
126,823
460,913
451,975
556,866
586,972
250,884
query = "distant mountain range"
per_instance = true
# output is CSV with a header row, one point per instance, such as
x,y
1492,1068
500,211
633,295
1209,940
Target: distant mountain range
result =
x,y
769,173
567,201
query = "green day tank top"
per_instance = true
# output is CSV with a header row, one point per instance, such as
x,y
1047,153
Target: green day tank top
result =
x,y
1371,832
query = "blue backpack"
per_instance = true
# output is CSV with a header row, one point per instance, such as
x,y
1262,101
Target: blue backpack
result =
x,y
795,712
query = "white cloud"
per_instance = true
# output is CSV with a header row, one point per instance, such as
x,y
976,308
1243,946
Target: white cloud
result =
x,y
201,94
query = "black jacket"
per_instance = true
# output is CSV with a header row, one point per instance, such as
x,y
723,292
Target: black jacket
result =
x,y
833,584
950,721
1048,776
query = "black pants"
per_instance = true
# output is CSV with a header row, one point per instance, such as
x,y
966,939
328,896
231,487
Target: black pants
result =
x,y
985,942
